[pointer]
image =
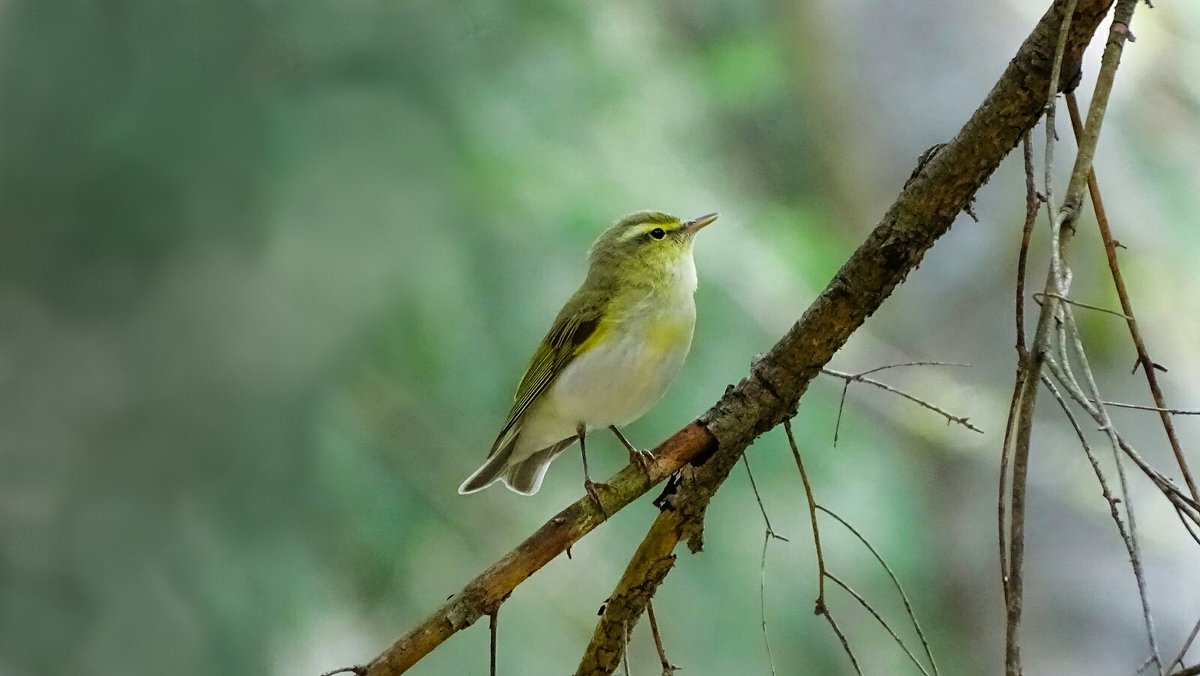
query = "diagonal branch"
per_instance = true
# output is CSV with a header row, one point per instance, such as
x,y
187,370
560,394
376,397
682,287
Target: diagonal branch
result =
x,y
922,213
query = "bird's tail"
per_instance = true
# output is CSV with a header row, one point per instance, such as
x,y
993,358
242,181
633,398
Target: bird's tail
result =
x,y
525,477
494,466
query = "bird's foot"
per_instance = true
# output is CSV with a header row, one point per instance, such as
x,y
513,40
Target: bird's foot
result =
x,y
643,459
593,490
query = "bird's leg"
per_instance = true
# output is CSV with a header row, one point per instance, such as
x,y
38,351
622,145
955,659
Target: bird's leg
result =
x,y
589,486
643,459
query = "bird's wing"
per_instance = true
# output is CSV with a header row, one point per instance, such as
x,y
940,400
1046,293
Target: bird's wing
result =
x,y
576,323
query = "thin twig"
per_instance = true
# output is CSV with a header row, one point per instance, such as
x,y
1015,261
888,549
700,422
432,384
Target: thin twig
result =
x,y
878,618
1032,200
1100,415
812,517
762,598
1183,503
859,378
1140,407
886,367
762,579
758,498
1127,537
895,582
1148,364
1187,507
1038,296
493,623
820,607
1118,35
1187,525
837,423
668,669
1057,281
358,670
1187,643
1114,510
845,644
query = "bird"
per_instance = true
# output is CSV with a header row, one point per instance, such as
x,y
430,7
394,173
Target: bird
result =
x,y
609,356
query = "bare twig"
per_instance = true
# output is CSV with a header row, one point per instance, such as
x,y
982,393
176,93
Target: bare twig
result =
x,y
357,670
861,378
845,644
1187,643
819,607
1128,537
493,621
878,618
1032,200
668,669
1187,525
895,582
758,498
1057,281
1140,407
1114,510
1143,355
762,579
1187,507
1038,297
762,598
1100,415
812,517
887,367
1060,50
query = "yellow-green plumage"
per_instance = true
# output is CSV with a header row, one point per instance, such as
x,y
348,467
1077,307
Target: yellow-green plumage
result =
x,y
611,352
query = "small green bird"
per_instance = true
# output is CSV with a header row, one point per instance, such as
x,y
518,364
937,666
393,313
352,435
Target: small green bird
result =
x,y
610,355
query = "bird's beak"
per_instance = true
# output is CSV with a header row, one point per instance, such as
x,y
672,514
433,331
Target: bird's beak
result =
x,y
696,224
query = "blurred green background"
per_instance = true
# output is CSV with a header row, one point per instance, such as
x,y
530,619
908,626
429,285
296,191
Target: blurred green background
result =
x,y
269,272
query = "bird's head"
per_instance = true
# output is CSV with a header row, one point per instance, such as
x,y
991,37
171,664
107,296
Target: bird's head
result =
x,y
646,248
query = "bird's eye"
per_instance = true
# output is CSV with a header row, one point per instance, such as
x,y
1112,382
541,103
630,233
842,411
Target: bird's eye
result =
x,y
658,233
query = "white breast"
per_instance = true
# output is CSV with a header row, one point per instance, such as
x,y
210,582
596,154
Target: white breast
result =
x,y
618,381
622,377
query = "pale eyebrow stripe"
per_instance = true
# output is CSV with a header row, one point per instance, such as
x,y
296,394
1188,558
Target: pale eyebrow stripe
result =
x,y
638,231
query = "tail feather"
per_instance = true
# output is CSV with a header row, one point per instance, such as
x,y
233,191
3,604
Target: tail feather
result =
x,y
525,477
493,467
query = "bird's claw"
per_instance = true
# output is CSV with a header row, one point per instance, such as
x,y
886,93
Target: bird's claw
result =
x,y
593,490
643,459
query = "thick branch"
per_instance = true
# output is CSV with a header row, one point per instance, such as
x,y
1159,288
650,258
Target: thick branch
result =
x,y
491,587
923,212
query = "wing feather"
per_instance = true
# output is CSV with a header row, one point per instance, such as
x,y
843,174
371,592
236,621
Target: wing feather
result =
x,y
578,321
